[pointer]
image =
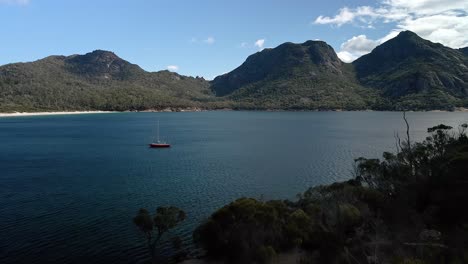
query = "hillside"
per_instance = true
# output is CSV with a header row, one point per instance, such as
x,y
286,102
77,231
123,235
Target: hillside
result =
x,y
406,72
99,80
295,76
416,73
464,51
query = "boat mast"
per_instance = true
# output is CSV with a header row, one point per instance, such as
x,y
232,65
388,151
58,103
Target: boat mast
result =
x,y
158,132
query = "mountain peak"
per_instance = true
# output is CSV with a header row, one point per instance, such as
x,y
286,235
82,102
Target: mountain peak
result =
x,y
314,42
96,57
406,45
407,34
408,38
104,54
287,61
409,64
101,64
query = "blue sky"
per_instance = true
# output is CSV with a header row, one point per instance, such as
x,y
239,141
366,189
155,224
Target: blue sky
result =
x,y
208,38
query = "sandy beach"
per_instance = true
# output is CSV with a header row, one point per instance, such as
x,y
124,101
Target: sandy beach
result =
x,y
15,114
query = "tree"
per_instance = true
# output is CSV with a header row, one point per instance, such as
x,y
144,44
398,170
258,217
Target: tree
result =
x,y
154,228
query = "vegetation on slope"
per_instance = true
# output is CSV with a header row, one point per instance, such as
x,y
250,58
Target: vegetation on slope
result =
x,y
464,50
409,207
295,76
416,73
404,73
96,81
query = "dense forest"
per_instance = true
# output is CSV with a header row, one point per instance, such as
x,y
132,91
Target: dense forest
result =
x,y
98,80
404,73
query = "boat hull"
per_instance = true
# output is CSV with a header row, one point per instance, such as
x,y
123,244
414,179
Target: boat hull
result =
x,y
159,145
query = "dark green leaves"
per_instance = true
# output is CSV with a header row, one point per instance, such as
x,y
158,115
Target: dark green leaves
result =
x,y
143,221
167,218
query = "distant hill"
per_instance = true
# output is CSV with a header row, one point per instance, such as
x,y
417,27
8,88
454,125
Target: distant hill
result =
x,y
416,73
406,72
295,76
97,80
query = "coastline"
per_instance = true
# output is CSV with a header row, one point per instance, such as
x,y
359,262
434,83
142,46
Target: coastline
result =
x,y
168,110
18,114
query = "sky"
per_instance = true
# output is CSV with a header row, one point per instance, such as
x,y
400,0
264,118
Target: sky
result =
x,y
211,37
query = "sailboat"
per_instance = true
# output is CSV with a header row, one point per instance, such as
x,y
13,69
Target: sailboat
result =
x,y
158,143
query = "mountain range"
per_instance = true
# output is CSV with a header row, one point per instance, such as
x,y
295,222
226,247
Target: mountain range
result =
x,y
406,72
99,80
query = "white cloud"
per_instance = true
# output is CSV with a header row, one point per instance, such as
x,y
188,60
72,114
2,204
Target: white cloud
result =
x,y
355,47
209,40
360,45
449,30
443,21
243,44
364,14
427,7
389,36
346,56
344,16
173,68
15,2
259,43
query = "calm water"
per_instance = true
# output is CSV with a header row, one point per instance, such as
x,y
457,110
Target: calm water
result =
x,y
70,185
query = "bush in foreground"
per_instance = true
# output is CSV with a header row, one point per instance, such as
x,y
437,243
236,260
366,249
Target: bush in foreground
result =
x,y
409,207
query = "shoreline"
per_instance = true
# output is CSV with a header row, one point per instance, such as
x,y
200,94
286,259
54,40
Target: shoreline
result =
x,y
19,114
169,110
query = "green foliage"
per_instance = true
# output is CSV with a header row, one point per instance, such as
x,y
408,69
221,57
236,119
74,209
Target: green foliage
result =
x,y
349,214
383,215
165,219
264,254
97,81
415,73
409,261
405,73
295,77
238,230
249,230
144,222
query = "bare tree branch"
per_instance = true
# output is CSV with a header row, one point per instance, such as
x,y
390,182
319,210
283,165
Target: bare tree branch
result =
x,y
408,142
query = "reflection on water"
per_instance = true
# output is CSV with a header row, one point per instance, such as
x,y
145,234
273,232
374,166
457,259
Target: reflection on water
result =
x,y
70,185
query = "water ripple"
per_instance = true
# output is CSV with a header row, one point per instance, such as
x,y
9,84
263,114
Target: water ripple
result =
x,y
70,185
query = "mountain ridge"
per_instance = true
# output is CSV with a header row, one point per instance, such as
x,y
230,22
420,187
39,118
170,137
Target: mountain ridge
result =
x,y
406,72
413,70
98,80
307,75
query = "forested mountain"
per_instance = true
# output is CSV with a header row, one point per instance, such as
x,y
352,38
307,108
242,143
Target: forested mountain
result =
x,y
301,76
406,72
415,72
99,80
